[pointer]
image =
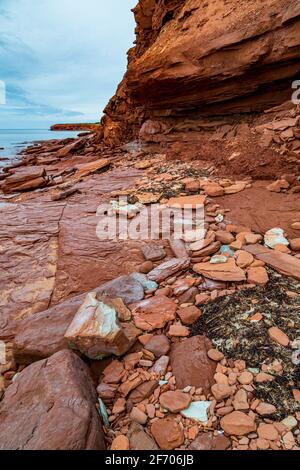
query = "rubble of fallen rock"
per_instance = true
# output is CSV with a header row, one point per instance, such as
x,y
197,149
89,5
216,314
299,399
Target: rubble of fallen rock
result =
x,y
189,342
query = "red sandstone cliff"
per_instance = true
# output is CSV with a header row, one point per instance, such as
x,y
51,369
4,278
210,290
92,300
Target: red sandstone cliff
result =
x,y
216,59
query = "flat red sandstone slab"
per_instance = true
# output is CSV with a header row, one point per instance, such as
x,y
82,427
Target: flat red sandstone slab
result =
x,y
277,210
168,269
221,272
281,262
187,200
199,371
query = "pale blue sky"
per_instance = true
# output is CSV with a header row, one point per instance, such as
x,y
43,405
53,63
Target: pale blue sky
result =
x,y
61,60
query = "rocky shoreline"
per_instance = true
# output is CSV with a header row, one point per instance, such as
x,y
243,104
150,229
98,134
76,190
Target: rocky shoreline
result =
x,y
150,397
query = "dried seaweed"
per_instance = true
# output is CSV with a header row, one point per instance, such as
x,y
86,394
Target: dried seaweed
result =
x,y
226,322
178,171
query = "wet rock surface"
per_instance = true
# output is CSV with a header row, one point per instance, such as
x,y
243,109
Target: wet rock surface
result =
x,y
29,234
99,260
52,256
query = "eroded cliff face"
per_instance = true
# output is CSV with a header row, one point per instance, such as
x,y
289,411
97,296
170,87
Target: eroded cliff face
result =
x,y
197,61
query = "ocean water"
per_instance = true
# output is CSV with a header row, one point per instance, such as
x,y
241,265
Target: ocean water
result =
x,y
13,140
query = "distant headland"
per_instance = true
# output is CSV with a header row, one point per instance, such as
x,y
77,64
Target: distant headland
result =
x,y
75,127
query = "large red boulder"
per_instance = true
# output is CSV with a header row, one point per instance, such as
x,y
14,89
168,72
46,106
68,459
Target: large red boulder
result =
x,y
43,334
52,406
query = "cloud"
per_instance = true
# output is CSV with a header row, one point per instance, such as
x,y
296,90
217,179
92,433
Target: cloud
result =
x,y
61,58
18,105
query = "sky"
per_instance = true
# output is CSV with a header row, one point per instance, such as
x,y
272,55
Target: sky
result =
x,y
61,60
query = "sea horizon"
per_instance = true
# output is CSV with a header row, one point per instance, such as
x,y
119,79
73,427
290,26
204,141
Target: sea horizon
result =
x,y
12,141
